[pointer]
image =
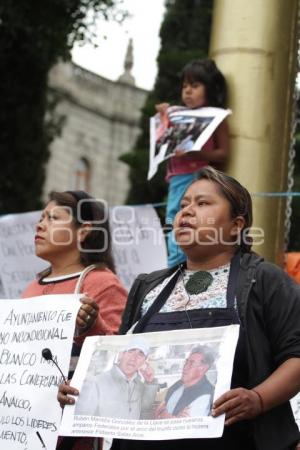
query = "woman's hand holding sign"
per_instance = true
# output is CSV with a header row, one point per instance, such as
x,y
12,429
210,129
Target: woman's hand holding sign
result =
x,y
238,404
66,393
87,314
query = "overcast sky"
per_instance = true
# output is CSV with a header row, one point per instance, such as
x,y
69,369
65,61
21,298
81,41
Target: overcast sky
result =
x,y
143,27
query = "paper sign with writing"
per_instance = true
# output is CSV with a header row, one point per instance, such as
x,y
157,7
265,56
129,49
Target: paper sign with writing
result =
x,y
138,245
152,386
138,242
29,411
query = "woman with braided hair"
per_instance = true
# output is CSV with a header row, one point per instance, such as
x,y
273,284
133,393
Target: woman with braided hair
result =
x,y
222,283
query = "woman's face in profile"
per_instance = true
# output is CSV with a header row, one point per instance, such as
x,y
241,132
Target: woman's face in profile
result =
x,y
204,218
56,233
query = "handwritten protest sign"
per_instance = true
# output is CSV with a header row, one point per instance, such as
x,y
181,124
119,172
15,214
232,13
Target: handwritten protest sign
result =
x,y
180,128
133,386
137,240
28,383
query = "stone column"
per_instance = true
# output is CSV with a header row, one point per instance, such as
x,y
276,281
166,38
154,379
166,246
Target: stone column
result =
x,y
254,43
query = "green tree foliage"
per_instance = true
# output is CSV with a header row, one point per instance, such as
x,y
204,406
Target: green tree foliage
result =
x,y
184,34
34,35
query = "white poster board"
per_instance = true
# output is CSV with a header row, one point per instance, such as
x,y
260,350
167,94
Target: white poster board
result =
x,y
138,242
131,385
138,245
28,383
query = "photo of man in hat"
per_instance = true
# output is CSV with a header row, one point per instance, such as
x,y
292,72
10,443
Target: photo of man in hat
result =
x,y
126,391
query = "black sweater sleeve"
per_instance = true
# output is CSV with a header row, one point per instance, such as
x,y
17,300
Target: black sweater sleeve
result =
x,y
131,313
281,306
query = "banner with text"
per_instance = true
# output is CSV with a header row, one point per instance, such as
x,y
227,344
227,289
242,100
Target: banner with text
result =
x,y
137,241
29,411
152,386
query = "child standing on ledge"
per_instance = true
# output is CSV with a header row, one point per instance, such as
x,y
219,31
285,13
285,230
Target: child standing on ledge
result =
x,y
202,85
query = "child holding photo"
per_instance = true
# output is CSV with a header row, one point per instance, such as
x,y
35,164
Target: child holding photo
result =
x,y
202,85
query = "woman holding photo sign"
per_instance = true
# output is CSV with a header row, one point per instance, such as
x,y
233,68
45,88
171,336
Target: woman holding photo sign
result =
x,y
224,283
73,236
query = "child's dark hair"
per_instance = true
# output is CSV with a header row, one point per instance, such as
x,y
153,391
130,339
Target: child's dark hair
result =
x,y
206,71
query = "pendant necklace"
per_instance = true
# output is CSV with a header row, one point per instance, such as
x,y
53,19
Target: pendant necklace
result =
x,y
198,282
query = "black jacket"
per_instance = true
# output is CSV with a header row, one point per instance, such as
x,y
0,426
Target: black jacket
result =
x,y
268,304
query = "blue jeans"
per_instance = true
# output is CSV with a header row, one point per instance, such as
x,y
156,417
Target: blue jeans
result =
x,y
177,187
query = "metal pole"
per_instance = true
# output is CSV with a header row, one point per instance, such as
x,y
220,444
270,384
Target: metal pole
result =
x,y
255,45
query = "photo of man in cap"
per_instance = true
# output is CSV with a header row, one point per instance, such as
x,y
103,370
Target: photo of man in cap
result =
x,y
126,391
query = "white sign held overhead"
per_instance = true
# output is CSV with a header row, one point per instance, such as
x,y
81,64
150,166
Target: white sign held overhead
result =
x,y
29,410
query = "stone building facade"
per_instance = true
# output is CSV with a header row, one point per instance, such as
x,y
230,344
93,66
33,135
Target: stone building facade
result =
x,y
101,123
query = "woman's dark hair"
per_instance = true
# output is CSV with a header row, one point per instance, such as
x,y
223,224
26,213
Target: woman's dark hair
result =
x,y
96,247
205,71
238,198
